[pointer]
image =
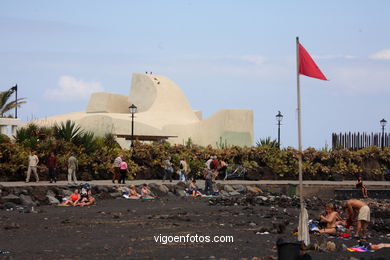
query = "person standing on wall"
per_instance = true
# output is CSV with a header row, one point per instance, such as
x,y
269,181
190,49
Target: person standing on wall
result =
x,y
52,165
168,169
32,166
72,169
123,172
117,174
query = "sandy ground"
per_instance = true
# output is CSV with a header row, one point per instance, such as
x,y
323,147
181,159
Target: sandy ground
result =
x,y
125,229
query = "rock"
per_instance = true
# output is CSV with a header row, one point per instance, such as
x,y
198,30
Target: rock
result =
x,y
181,185
228,188
27,200
116,215
181,193
50,193
11,198
9,205
234,193
65,193
223,193
39,194
101,189
263,198
160,190
24,191
240,188
254,190
52,200
12,225
115,194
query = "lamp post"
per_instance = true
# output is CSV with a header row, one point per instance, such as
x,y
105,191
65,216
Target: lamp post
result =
x,y
133,110
279,118
383,124
15,88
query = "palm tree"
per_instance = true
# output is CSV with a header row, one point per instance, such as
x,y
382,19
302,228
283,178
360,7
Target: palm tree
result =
x,y
5,104
267,142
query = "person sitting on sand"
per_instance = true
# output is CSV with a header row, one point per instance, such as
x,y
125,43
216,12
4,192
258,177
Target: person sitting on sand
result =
x,y
332,218
72,199
146,193
87,201
356,209
133,193
193,189
359,185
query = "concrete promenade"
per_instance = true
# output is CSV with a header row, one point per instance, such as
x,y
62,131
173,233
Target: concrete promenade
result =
x,y
346,184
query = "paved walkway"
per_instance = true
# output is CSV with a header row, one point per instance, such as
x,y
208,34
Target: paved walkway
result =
x,y
371,184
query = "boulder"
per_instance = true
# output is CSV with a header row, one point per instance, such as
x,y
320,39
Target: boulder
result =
x,y
52,199
11,198
159,190
9,205
101,189
65,193
234,193
27,200
228,188
240,188
115,194
50,193
181,185
181,193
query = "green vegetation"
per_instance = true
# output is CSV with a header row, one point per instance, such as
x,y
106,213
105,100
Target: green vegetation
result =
x,y
96,155
5,104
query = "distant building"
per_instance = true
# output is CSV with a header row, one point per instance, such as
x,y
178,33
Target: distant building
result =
x,y
163,110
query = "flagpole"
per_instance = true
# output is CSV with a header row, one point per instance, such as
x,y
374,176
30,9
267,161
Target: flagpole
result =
x,y
300,235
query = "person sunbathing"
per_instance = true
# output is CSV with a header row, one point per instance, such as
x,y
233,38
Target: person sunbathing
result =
x,y
146,193
72,199
87,201
332,219
193,189
133,193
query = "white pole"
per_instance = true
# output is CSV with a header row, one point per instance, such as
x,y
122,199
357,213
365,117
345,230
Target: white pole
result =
x,y
299,131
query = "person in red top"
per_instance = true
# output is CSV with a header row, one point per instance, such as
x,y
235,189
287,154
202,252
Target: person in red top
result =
x,y
52,165
72,199
123,171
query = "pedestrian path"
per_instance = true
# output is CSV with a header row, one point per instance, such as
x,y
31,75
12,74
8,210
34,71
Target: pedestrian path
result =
x,y
383,184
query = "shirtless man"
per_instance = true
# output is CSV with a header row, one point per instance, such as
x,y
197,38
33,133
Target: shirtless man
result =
x,y
358,209
332,218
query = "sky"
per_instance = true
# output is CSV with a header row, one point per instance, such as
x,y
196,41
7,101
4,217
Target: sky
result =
x,y
223,54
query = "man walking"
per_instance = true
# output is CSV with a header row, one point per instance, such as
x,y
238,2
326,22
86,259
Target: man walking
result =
x,y
32,166
168,169
117,174
72,168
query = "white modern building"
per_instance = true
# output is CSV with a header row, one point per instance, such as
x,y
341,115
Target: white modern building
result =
x,y
162,112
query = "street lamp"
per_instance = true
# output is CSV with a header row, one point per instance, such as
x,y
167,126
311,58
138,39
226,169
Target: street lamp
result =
x,y
383,124
15,88
133,110
279,118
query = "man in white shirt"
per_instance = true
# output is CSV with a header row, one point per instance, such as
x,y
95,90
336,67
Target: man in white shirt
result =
x,y
32,166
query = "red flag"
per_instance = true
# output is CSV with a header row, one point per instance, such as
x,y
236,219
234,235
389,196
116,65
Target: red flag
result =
x,y
307,66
